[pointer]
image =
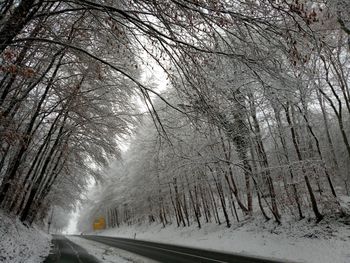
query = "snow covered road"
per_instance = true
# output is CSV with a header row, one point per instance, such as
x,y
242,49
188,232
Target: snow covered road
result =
x,y
65,251
93,249
174,254
74,249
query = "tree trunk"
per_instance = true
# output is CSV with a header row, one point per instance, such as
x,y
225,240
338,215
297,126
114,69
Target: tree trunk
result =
x,y
314,205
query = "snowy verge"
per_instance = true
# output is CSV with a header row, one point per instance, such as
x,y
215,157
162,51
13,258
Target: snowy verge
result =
x,y
297,241
108,254
20,244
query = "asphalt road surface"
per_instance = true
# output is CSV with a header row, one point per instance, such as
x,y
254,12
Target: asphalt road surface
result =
x,y
65,251
174,254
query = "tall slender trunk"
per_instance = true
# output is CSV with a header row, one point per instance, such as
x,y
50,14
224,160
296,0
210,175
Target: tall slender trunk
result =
x,y
254,167
231,184
194,204
221,196
17,160
314,205
286,156
263,161
29,204
174,206
328,135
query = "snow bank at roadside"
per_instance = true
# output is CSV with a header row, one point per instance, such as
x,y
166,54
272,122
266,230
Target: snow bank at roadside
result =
x,y
20,244
301,241
108,254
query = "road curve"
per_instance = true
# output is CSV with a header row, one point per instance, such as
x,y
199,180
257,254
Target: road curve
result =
x,y
65,251
174,254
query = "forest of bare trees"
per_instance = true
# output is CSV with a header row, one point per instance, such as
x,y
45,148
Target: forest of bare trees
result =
x,y
254,119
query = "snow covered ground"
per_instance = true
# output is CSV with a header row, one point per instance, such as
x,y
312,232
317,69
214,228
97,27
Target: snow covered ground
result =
x,y
301,241
107,254
20,244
